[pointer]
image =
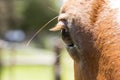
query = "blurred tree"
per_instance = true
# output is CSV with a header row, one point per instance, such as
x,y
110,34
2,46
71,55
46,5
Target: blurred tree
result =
x,y
7,15
3,17
37,13
11,13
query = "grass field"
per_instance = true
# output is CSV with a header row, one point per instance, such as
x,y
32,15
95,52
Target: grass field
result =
x,y
28,73
34,73
37,72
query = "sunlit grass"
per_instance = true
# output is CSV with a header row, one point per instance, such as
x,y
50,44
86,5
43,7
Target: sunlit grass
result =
x,y
28,73
37,72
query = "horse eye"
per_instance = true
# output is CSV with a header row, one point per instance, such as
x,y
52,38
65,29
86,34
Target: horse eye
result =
x,y
66,24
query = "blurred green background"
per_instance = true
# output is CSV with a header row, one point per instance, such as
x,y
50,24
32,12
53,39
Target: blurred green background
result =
x,y
45,58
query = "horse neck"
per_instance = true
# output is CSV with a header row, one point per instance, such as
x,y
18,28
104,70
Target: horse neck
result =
x,y
102,61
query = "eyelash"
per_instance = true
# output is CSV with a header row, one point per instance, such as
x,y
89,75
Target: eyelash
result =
x,y
64,21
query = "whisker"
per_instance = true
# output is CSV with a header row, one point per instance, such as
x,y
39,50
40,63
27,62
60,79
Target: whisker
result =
x,y
29,41
52,10
59,55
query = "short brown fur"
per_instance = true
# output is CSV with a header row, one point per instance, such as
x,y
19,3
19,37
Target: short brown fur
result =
x,y
95,31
